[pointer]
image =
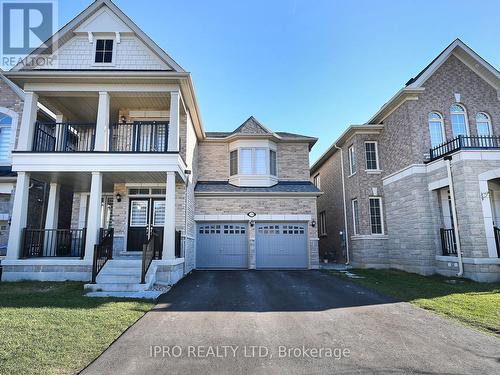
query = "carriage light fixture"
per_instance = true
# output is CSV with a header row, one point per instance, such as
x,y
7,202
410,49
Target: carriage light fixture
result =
x,y
313,223
118,197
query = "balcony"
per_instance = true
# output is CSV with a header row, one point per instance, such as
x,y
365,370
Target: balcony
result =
x,y
136,137
463,142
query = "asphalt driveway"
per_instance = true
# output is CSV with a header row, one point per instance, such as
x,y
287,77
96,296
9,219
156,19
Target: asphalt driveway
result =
x,y
292,322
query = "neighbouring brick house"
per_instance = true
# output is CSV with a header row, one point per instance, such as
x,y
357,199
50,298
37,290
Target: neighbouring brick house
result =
x,y
401,207
146,185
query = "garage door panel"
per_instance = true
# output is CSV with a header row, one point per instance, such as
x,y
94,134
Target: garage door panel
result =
x,y
281,245
223,245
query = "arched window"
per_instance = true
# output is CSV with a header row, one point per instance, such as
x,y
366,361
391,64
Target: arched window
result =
x,y
483,124
436,129
5,135
459,124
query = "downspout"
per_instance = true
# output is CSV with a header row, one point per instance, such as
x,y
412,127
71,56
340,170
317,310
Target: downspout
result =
x,y
346,232
187,172
455,220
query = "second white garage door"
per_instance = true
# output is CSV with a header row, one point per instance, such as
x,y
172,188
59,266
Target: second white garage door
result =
x,y
281,245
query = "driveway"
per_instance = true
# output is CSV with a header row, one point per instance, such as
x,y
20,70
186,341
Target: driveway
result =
x,y
292,322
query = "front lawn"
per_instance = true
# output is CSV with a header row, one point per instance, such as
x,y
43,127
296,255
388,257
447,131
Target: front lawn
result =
x,y
52,328
475,304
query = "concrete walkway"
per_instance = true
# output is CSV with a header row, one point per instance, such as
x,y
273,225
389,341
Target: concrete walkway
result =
x,y
292,322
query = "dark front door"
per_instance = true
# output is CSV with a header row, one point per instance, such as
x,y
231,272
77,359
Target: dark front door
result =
x,y
145,216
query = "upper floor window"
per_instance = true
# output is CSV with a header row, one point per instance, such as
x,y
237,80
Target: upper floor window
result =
x,y
352,160
317,181
436,129
272,163
483,125
5,135
253,161
104,51
371,153
459,124
233,162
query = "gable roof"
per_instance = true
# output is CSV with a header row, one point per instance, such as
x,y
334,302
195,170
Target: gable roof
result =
x,y
251,127
65,33
12,85
415,85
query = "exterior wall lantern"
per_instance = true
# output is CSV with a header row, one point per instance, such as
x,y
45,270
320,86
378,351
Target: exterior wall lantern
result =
x,y
313,223
118,197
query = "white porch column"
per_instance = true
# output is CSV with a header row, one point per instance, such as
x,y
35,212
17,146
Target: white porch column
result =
x,y
27,130
169,226
102,125
94,215
19,215
53,207
173,126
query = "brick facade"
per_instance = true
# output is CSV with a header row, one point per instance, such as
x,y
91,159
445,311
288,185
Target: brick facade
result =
x,y
412,210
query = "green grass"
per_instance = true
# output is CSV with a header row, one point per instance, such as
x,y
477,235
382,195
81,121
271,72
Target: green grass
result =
x,y
52,328
469,302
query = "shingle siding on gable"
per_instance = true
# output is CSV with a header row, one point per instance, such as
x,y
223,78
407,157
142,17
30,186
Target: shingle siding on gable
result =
x,y
131,54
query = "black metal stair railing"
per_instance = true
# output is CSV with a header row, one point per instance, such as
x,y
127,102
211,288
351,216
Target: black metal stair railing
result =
x,y
103,251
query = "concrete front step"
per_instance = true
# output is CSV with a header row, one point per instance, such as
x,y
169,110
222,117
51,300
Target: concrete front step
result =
x,y
116,279
119,275
116,287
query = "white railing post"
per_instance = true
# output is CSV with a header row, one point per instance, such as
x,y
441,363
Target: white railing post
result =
x,y
19,215
102,124
94,215
169,226
173,126
27,129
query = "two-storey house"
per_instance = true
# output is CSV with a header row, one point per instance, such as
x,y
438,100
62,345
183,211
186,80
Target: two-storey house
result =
x,y
151,195
417,186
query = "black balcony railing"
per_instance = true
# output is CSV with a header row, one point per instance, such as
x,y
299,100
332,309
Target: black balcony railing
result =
x,y
64,137
448,242
465,142
146,136
53,243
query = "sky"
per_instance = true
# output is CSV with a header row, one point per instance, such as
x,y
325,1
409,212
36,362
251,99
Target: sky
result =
x,y
311,67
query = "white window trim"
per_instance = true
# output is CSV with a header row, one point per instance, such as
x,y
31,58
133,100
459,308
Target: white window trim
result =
x,y
113,55
355,229
381,216
317,181
475,119
13,130
376,158
465,116
253,179
441,120
352,155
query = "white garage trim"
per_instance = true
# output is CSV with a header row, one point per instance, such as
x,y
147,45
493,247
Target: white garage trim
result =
x,y
298,218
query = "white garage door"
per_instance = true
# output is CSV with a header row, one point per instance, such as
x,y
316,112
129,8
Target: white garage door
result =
x,y
222,245
281,245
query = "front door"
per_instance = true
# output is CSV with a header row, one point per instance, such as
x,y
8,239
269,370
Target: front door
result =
x,y
145,216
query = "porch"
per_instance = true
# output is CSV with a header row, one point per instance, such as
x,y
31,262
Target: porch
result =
x,y
85,219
